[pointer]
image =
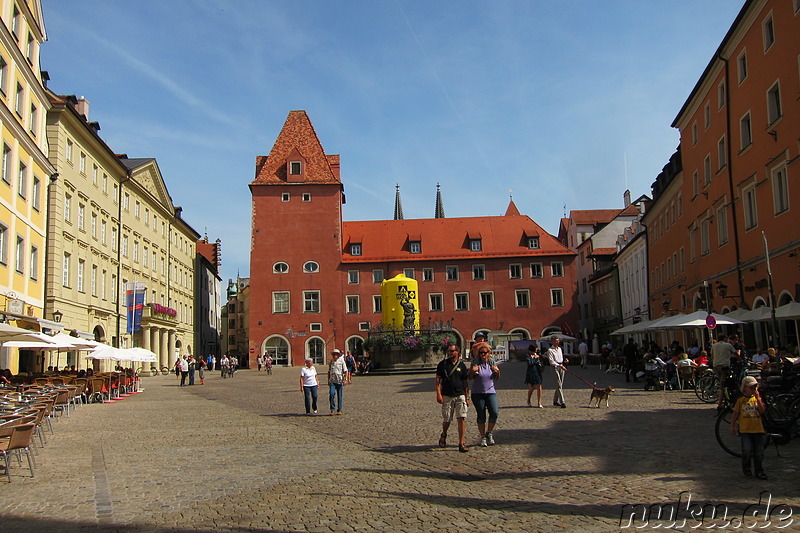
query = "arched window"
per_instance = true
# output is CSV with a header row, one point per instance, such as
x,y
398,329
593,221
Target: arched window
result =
x,y
315,349
355,345
311,267
280,267
277,348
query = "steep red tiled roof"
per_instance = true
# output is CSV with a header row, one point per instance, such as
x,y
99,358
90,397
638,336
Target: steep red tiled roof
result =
x,y
593,216
631,210
603,251
447,238
297,134
206,249
512,210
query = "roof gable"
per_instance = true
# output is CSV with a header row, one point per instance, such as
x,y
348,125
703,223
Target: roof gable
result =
x,y
297,137
147,175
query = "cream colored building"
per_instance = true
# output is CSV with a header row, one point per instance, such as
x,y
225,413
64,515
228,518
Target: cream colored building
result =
x,y
24,172
112,223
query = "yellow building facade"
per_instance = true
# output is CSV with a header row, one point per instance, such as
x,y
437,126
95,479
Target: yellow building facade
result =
x,y
24,172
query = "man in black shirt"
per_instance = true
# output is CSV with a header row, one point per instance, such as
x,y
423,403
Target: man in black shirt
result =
x,y
631,354
452,391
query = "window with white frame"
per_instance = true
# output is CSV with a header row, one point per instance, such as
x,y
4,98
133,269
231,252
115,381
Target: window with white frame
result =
x,y
750,209
33,120
81,217
3,244
478,272
311,267
22,182
377,275
285,197
774,108
705,236
707,170
692,244
93,280
295,168
435,302
556,297
461,301
780,189
34,264
93,225
721,94
306,197
65,269
721,152
722,225
768,30
557,269
533,243
523,297
408,272
415,247
741,66
353,305
707,115
536,270
475,245
352,277
311,302
124,246
487,300
280,267
81,265
451,273
745,131
427,274
82,163
114,289
3,75
7,164
20,100
136,252
19,257
355,249
515,271
316,326
126,202
377,303
695,184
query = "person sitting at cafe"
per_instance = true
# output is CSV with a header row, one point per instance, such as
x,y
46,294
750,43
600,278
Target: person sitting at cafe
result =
x,y
760,357
5,376
81,373
701,359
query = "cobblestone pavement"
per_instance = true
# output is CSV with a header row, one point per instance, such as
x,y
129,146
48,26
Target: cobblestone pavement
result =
x,y
239,455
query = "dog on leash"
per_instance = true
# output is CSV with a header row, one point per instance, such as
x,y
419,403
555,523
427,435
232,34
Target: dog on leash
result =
x,y
600,395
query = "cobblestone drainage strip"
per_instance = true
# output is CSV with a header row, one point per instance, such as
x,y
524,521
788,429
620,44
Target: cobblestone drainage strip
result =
x,y
104,509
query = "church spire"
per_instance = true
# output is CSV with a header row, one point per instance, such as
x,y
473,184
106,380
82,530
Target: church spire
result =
x,y
398,204
439,204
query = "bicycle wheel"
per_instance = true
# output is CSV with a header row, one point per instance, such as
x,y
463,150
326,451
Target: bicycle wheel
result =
x,y
165,370
153,371
707,388
722,429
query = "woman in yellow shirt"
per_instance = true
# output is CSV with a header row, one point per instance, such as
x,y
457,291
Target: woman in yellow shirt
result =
x,y
747,412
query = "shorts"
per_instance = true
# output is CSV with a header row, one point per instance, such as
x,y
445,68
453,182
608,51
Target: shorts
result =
x,y
454,407
721,372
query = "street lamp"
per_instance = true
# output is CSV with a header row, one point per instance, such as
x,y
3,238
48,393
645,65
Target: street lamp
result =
x,y
58,315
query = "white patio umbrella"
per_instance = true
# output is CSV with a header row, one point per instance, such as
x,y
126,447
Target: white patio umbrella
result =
x,y
143,355
759,314
790,311
698,319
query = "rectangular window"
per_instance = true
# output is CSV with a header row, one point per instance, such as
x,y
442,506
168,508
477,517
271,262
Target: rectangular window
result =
x,y
694,133
19,259
280,302
695,184
377,303
36,193
136,209
478,272
3,244
377,276
352,277
81,265
774,109
523,297
81,216
34,266
67,207
114,288
780,190
33,120
461,301
556,297
435,302
515,271
7,164
362,326
65,274
20,100
722,226
707,170
741,65
475,245
721,152
105,183
353,306
427,274
415,247
311,301
451,273
745,131
124,246
82,163
3,76
683,259
295,168
285,197
103,292
557,269
707,115
536,270
22,183
533,243
409,273
692,244
93,280
750,210
355,249
93,225
768,28
721,94
705,236
487,300
306,197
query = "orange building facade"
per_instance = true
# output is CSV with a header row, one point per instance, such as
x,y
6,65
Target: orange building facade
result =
x,y
315,280
731,190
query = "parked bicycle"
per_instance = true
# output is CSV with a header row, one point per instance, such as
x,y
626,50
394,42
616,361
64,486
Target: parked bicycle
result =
x,y
780,423
153,370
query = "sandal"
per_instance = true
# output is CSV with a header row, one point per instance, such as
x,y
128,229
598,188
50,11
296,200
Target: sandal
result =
x,y
443,441
463,448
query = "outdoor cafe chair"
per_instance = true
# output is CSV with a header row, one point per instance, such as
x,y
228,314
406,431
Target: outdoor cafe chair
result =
x,y
62,401
18,443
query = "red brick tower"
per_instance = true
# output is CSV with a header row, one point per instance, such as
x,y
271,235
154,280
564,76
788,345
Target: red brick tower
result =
x,y
296,248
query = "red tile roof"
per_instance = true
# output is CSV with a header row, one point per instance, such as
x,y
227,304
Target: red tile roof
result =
x,y
603,251
447,238
297,134
593,216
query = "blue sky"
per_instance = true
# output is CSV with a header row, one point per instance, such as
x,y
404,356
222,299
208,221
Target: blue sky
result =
x,y
559,102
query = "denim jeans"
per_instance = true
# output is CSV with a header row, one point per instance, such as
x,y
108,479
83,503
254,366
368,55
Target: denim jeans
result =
x,y
337,393
310,394
753,448
484,402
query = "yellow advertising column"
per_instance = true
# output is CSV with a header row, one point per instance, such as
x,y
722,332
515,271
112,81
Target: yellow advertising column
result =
x,y
400,304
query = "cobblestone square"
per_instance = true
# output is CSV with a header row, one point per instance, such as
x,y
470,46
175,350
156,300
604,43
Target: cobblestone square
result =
x,y
240,455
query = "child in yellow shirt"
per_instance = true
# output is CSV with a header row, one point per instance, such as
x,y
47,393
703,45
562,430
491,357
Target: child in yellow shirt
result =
x,y
747,412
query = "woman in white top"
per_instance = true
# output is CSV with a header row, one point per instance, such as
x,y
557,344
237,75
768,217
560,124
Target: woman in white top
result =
x,y
309,385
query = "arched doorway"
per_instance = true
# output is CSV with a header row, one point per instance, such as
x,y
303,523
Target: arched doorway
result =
x,y
277,348
99,334
315,349
522,332
355,345
787,328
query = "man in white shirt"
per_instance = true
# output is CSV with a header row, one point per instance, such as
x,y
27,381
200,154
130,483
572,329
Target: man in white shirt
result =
x,y
583,351
338,376
556,358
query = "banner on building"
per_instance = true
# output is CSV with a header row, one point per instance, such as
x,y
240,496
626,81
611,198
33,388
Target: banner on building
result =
x,y
134,301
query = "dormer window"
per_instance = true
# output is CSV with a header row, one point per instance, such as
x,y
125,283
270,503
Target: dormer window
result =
x,y
415,247
475,245
355,249
295,168
533,243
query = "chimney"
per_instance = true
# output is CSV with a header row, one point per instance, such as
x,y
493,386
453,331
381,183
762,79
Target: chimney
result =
x,y
82,107
626,197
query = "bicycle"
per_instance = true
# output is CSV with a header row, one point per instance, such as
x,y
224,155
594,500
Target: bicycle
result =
x,y
780,423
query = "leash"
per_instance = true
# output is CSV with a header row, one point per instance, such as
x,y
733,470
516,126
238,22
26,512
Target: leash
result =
x,y
591,385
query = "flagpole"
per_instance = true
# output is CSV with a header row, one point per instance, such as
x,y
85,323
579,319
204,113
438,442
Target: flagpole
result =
x,y
771,289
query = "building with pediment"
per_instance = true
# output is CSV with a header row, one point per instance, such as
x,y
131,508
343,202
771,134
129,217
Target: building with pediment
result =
x,y
315,280
112,223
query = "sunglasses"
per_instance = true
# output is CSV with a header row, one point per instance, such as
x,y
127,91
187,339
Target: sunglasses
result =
x,y
452,351
483,353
